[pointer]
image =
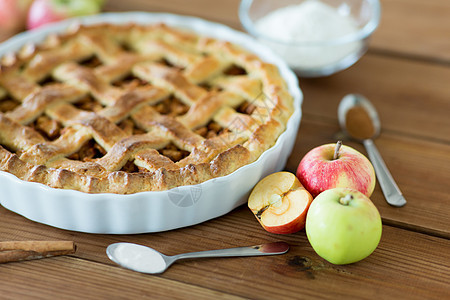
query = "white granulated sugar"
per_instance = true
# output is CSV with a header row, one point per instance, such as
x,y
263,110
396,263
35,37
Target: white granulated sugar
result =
x,y
310,21
139,258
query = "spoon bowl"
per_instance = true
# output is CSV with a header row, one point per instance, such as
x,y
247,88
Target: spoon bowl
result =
x,y
144,259
138,258
354,100
365,127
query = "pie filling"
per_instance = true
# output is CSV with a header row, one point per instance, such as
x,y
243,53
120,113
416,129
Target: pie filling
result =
x,y
130,81
8,104
185,109
172,107
87,103
235,70
48,128
88,152
91,62
174,153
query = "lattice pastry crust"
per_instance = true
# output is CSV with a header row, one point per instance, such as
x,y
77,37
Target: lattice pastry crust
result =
x,y
131,108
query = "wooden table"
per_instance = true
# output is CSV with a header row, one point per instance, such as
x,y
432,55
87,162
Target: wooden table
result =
x,y
406,74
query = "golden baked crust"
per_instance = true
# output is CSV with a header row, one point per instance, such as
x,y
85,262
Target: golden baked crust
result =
x,y
131,108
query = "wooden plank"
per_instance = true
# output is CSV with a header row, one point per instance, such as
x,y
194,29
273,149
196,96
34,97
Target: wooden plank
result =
x,y
404,265
411,97
412,28
405,105
218,11
415,28
421,169
72,278
405,102
415,146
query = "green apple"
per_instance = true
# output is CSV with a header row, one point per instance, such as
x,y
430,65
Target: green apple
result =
x,y
343,226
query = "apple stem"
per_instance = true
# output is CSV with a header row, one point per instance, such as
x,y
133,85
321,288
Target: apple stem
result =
x,y
336,150
346,200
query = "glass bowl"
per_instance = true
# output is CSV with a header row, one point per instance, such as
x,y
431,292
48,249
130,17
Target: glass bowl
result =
x,y
305,33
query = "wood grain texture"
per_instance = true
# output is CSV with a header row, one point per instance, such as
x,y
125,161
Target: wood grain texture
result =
x,y
72,278
421,169
406,75
411,97
398,267
406,29
218,11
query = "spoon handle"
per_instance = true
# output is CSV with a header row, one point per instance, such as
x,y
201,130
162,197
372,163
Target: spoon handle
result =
x,y
264,249
390,189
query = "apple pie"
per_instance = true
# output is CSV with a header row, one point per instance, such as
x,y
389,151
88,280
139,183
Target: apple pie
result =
x,y
129,108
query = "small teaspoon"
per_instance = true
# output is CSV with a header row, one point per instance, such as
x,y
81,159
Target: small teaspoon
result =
x,y
144,259
390,189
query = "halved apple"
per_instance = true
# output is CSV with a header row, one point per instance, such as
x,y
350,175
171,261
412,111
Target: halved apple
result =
x,y
280,203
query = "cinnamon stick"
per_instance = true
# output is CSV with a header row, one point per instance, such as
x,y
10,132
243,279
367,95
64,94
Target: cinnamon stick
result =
x,y
27,250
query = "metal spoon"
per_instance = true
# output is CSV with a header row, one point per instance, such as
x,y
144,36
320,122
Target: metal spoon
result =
x,y
147,260
390,189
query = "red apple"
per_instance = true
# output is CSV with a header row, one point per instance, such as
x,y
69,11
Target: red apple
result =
x,y
334,165
48,11
13,15
280,203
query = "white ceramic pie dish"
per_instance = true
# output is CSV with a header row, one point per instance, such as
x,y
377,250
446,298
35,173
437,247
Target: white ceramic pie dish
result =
x,y
149,211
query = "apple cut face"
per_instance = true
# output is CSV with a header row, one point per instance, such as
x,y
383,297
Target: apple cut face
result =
x,y
280,202
288,215
275,184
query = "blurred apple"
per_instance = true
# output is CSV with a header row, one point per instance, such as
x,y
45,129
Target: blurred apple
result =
x,y
13,14
343,226
47,11
336,165
280,203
